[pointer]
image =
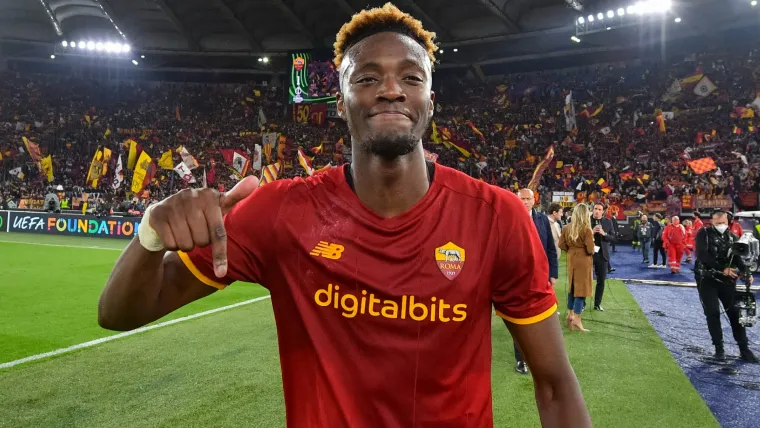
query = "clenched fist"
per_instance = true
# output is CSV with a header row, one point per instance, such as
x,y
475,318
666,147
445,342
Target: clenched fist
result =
x,y
194,218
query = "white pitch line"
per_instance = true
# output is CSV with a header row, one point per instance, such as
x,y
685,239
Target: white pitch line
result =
x,y
126,334
60,245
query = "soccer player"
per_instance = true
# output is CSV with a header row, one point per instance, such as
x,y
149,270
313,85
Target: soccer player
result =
x,y
382,272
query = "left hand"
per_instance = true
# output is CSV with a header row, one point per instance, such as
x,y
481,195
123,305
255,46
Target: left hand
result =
x,y
553,281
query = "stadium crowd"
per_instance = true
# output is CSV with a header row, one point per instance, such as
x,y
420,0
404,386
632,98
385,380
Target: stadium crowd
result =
x,y
617,131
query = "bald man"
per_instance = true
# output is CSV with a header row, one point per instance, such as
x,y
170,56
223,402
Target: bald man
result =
x,y
544,228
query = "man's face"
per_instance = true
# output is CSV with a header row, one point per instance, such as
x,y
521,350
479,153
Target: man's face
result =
x,y
558,215
720,219
598,211
644,219
385,94
527,199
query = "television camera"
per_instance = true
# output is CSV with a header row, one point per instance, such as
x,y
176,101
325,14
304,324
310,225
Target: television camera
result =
x,y
746,248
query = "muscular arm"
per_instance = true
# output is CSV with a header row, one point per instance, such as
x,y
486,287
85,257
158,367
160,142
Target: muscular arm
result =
x,y
144,286
558,394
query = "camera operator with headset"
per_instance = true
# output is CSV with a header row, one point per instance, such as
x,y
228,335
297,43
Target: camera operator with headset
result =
x,y
716,272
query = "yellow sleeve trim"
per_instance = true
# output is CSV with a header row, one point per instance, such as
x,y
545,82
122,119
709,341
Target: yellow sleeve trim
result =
x,y
532,320
198,274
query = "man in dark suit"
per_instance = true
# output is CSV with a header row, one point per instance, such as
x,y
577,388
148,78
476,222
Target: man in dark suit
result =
x,y
543,226
604,234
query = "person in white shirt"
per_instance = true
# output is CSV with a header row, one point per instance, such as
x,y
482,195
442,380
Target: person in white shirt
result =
x,y
555,216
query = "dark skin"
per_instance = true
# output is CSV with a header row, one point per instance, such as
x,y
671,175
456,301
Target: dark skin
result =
x,y
387,102
391,72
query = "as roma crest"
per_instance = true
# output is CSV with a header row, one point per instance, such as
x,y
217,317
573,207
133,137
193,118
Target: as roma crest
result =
x,y
450,260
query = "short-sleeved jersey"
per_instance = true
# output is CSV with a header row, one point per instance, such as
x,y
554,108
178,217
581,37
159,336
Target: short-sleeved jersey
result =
x,y
386,322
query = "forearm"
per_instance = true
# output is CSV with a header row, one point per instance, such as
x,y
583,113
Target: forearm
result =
x,y
561,404
131,293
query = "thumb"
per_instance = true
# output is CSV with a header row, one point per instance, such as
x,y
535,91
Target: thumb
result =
x,y
241,191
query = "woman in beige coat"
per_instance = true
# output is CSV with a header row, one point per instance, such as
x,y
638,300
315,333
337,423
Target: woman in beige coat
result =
x,y
577,240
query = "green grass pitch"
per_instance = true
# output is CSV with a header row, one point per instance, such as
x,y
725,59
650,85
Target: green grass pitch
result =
x,y
223,370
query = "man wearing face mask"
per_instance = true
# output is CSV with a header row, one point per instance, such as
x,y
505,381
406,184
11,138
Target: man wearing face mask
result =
x,y
716,273
674,242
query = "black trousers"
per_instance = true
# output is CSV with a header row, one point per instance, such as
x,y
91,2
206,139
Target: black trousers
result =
x,y
658,249
712,294
600,269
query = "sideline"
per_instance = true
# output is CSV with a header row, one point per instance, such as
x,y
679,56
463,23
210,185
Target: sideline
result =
x,y
670,283
125,334
61,245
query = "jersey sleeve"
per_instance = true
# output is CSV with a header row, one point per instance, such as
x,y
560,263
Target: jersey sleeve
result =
x,y
521,292
251,239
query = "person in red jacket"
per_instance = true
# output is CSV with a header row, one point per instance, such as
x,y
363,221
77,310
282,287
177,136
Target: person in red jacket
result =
x,y
734,226
690,233
697,223
674,242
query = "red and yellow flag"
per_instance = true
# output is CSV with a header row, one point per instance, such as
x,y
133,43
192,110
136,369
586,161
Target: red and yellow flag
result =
x,y
540,168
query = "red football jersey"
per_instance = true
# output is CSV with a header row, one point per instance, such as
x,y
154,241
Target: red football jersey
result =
x,y
386,322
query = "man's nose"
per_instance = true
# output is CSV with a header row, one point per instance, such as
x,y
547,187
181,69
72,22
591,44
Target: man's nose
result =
x,y
390,90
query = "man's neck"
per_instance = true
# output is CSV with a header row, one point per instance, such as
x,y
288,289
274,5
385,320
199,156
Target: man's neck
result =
x,y
390,188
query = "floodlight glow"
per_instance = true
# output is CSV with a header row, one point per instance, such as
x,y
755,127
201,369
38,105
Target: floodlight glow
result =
x,y
575,39
581,20
142,56
52,56
600,16
610,14
134,61
98,46
265,59
621,11
677,20
440,51
591,18
91,45
65,44
456,50
126,48
73,44
630,9
753,3
82,44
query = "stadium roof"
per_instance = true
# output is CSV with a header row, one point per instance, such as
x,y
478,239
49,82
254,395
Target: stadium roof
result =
x,y
234,34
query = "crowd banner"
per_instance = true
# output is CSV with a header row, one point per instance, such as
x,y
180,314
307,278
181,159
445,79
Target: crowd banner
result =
x,y
564,199
3,221
721,202
71,224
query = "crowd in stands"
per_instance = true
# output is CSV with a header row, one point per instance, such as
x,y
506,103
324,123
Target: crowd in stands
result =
x,y
630,130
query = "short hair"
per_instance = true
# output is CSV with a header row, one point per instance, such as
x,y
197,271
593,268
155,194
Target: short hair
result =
x,y
719,213
553,208
388,18
657,216
600,204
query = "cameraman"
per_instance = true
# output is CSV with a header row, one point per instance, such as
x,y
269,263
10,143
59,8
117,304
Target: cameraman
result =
x,y
716,275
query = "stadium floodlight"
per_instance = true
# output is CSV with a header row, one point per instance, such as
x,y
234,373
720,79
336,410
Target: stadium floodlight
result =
x,y
575,39
52,56
82,44
630,10
142,56
609,28
581,20
456,50
753,3
621,11
126,48
265,59
65,44
91,45
98,46
134,61
677,20
591,18
610,14
73,44
600,16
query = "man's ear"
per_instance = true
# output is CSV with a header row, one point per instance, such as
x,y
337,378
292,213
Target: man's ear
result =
x,y
339,104
431,108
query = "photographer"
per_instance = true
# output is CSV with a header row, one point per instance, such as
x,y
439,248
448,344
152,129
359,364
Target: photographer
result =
x,y
716,273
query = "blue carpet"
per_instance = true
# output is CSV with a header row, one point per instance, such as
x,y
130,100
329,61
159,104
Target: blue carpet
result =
x,y
676,314
627,264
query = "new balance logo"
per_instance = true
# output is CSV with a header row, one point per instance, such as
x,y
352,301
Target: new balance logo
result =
x,y
327,250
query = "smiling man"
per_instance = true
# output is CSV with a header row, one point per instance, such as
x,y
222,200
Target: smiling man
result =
x,y
382,272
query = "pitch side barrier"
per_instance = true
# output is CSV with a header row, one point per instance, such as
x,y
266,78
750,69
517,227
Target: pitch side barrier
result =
x,y
69,224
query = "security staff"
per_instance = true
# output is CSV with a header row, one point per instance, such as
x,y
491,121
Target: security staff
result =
x,y
716,275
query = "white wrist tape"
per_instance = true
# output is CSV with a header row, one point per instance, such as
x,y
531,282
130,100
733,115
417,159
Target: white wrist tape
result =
x,y
147,235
